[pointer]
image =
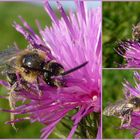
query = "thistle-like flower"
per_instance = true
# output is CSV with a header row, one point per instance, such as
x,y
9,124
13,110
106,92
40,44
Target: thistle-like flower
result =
x,y
71,40
130,92
130,51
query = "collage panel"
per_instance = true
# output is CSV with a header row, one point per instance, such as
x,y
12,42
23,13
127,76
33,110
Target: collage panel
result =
x,y
120,82
121,33
50,69
121,103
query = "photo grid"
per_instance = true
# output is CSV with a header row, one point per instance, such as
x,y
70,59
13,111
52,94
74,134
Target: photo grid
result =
x,y
69,69
120,84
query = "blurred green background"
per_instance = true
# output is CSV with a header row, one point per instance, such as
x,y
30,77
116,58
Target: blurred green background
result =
x,y
113,91
118,18
9,12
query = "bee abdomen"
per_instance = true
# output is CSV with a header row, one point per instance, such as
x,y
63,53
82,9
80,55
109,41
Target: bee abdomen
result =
x,y
114,110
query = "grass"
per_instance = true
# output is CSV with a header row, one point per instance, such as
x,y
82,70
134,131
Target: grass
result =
x,y
118,18
113,91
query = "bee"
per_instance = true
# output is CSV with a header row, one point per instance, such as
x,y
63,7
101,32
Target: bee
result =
x,y
31,64
136,32
28,66
123,109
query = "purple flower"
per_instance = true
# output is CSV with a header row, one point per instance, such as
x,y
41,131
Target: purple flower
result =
x,y
130,51
71,40
130,92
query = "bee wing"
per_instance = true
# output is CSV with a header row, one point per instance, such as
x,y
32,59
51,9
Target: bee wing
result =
x,y
7,68
114,109
7,56
7,59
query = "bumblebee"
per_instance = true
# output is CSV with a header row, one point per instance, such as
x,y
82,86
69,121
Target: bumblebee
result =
x,y
30,66
136,32
123,109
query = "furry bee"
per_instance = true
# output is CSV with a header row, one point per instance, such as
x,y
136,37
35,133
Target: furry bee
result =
x,y
136,32
29,66
123,109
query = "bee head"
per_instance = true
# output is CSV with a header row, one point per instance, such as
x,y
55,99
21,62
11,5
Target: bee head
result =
x,y
135,101
51,69
136,31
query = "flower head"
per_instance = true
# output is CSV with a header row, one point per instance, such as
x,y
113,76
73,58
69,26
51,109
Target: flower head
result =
x,y
130,50
130,92
71,40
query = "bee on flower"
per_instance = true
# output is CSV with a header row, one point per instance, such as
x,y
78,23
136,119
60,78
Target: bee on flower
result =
x,y
58,72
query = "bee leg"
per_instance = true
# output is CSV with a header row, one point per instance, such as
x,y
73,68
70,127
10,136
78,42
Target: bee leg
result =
x,y
122,122
58,83
11,99
129,116
24,85
38,88
129,120
126,116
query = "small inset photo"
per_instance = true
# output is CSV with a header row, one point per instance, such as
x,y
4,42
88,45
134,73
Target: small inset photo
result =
x,y
121,34
121,104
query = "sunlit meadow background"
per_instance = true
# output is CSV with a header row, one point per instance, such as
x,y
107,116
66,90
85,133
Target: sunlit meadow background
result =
x,y
118,18
113,91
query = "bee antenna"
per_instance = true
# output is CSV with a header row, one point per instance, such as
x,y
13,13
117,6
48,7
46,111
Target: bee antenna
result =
x,y
74,69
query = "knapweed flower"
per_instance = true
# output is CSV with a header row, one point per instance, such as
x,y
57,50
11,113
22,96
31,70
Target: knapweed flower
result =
x,y
71,40
130,92
130,51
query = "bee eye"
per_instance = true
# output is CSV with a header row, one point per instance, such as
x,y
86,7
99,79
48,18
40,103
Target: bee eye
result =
x,y
135,101
32,61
